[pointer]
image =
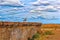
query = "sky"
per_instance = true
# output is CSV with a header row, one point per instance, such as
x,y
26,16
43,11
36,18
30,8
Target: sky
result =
x,y
44,11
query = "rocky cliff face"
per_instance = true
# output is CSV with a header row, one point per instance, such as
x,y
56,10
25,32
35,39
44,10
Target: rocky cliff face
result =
x,y
18,31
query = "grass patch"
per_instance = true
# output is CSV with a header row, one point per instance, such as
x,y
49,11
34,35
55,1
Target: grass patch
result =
x,y
48,33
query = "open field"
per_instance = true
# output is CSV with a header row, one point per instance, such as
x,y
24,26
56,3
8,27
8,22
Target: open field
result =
x,y
55,28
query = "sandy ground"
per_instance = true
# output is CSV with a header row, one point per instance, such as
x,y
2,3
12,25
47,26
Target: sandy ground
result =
x,y
55,36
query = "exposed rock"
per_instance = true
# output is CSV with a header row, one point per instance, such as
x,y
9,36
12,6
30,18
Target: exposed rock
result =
x,y
18,30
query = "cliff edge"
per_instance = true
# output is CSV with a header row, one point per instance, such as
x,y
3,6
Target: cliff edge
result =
x,y
18,30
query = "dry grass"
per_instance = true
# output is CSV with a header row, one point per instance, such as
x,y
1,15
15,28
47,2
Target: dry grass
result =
x,y
55,28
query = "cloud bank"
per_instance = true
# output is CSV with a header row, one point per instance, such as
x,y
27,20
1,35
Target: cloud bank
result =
x,y
11,2
47,9
39,2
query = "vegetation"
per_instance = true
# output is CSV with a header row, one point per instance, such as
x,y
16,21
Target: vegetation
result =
x,y
48,33
35,36
41,36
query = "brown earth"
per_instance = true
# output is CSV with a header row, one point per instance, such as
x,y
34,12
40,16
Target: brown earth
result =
x,y
18,31
25,30
55,28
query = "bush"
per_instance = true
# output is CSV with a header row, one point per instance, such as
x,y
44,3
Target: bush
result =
x,y
35,36
48,33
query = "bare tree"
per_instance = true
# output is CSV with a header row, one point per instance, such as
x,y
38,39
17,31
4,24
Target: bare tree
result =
x,y
25,19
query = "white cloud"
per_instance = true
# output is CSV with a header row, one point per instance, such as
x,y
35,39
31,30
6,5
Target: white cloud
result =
x,y
45,2
50,11
11,2
46,9
50,16
40,2
51,8
46,12
45,15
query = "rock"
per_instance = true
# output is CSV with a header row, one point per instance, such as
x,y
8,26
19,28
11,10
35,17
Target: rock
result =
x,y
18,30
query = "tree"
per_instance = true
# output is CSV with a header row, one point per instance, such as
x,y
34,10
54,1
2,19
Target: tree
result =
x,y
25,19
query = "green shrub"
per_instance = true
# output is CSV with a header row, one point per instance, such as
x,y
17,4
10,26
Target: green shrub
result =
x,y
35,36
48,33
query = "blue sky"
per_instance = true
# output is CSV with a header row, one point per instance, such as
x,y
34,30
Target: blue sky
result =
x,y
44,11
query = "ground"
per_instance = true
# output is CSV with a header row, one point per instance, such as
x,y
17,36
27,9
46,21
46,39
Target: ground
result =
x,y
14,31
55,28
